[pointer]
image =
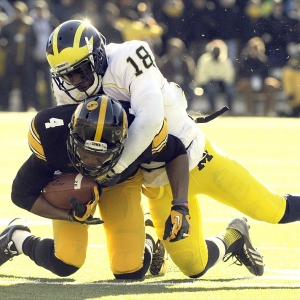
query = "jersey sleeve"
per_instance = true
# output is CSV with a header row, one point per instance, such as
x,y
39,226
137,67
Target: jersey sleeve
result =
x,y
47,137
31,178
174,148
34,141
144,82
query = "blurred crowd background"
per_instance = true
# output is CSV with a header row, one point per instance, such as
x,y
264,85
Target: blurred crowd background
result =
x,y
239,53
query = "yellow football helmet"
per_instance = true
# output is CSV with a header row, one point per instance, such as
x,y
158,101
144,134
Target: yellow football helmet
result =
x,y
77,46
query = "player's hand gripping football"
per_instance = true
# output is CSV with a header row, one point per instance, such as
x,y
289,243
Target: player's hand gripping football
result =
x,y
84,213
178,225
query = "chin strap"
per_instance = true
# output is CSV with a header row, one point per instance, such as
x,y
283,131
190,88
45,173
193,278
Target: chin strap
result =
x,y
212,116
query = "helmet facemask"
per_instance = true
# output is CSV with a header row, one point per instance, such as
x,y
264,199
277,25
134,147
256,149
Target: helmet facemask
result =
x,y
110,157
90,83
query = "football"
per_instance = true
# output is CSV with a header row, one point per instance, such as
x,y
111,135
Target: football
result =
x,y
65,185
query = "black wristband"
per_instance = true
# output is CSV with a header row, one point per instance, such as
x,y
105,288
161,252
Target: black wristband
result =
x,y
180,208
179,202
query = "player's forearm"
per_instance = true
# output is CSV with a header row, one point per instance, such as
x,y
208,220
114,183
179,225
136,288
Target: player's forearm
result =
x,y
140,135
178,174
43,208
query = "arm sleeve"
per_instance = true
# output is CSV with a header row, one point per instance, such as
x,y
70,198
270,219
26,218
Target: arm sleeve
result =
x,y
173,149
147,106
31,178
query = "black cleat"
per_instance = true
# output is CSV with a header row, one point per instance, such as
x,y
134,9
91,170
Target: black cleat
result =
x,y
158,265
248,255
7,246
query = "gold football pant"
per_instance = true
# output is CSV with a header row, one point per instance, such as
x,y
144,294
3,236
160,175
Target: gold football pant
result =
x,y
120,208
225,180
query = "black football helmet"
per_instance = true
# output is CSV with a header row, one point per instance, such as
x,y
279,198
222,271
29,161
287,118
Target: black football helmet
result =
x,y
98,126
72,45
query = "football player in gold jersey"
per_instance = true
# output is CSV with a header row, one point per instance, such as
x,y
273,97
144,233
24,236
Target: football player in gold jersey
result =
x,y
95,139
82,64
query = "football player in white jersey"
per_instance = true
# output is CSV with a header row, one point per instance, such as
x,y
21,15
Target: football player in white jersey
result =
x,y
82,65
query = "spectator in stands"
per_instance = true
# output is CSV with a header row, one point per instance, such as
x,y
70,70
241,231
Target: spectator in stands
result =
x,y
249,25
43,25
253,77
292,9
291,82
136,28
275,31
215,72
110,27
229,18
171,19
179,67
3,20
127,9
65,10
201,26
19,39
146,16
294,15
92,13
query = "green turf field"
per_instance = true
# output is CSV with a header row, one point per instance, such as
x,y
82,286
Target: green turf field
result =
x,y
270,147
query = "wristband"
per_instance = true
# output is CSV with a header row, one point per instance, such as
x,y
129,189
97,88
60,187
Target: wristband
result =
x,y
179,202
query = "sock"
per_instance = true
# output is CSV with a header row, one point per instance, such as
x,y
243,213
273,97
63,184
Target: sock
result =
x,y
292,210
18,237
232,240
216,250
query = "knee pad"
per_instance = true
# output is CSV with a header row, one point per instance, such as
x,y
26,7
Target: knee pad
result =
x,y
71,254
139,274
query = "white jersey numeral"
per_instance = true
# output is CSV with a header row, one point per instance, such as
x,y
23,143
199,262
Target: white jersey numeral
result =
x,y
54,122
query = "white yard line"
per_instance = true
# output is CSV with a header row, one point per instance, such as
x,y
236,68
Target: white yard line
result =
x,y
165,283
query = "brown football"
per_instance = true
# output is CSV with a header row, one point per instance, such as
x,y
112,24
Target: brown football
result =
x,y
65,185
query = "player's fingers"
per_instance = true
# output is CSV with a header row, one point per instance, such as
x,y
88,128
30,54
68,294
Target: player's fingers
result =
x,y
168,228
73,202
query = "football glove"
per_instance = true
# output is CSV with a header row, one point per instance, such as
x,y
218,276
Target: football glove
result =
x,y
111,178
84,213
178,225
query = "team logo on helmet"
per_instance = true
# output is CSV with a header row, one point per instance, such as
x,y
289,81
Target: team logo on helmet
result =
x,y
92,105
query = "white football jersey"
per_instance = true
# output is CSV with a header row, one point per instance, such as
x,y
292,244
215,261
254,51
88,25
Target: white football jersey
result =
x,y
133,76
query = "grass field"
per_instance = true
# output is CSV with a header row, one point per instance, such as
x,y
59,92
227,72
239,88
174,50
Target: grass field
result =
x,y
270,147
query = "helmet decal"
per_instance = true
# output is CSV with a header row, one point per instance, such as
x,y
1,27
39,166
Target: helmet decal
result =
x,y
92,105
101,119
64,50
